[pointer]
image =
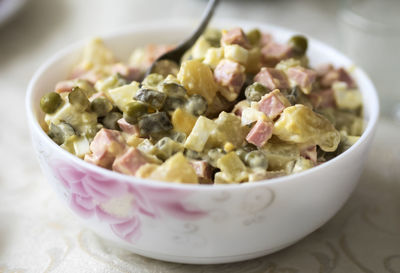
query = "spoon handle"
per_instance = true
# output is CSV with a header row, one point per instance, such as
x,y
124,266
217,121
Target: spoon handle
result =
x,y
177,53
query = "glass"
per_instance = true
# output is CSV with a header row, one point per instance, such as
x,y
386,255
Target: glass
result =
x,y
370,32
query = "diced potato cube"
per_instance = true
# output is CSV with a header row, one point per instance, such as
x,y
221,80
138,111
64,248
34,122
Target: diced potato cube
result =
x,y
349,99
175,169
95,54
299,124
250,115
236,53
123,95
183,121
221,178
200,48
234,169
200,134
213,56
198,78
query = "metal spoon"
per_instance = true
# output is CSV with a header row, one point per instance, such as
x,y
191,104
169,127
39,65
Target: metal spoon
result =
x,y
177,53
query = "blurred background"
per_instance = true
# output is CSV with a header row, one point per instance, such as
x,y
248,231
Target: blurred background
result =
x,y
37,233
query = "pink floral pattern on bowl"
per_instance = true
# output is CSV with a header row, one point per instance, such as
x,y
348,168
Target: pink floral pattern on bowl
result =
x,y
88,191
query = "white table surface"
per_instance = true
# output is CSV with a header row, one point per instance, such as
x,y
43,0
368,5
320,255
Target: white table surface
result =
x,y
39,234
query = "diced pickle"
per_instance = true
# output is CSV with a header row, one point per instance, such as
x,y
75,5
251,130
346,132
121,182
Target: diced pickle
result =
x,y
154,123
59,133
153,98
196,105
101,106
255,91
152,80
134,110
110,121
254,36
78,99
166,147
172,103
173,89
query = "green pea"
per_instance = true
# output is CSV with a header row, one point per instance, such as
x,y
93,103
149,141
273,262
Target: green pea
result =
x,y
299,44
153,98
213,155
110,121
78,99
255,91
154,124
134,110
50,102
101,106
243,151
61,132
196,105
256,159
254,36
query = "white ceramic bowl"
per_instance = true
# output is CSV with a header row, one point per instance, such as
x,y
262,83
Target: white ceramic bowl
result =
x,y
197,223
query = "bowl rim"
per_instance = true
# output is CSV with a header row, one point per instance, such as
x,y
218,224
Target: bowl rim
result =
x,y
370,91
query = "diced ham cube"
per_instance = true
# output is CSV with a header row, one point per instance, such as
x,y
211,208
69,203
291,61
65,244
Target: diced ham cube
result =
x,y
260,133
272,78
127,127
266,38
303,77
235,36
203,171
337,75
272,53
323,99
128,72
231,75
273,103
106,145
64,86
309,152
129,162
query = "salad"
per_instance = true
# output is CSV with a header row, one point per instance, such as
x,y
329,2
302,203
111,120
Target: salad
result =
x,y
240,107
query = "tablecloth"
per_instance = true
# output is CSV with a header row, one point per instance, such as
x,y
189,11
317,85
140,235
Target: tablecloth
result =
x,y
39,234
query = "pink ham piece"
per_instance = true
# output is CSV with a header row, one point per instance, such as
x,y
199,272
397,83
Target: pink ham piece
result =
x,y
273,103
323,69
235,36
272,53
260,133
323,99
106,145
272,78
266,38
309,152
64,86
303,77
230,75
337,75
127,127
129,162
203,171
128,72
